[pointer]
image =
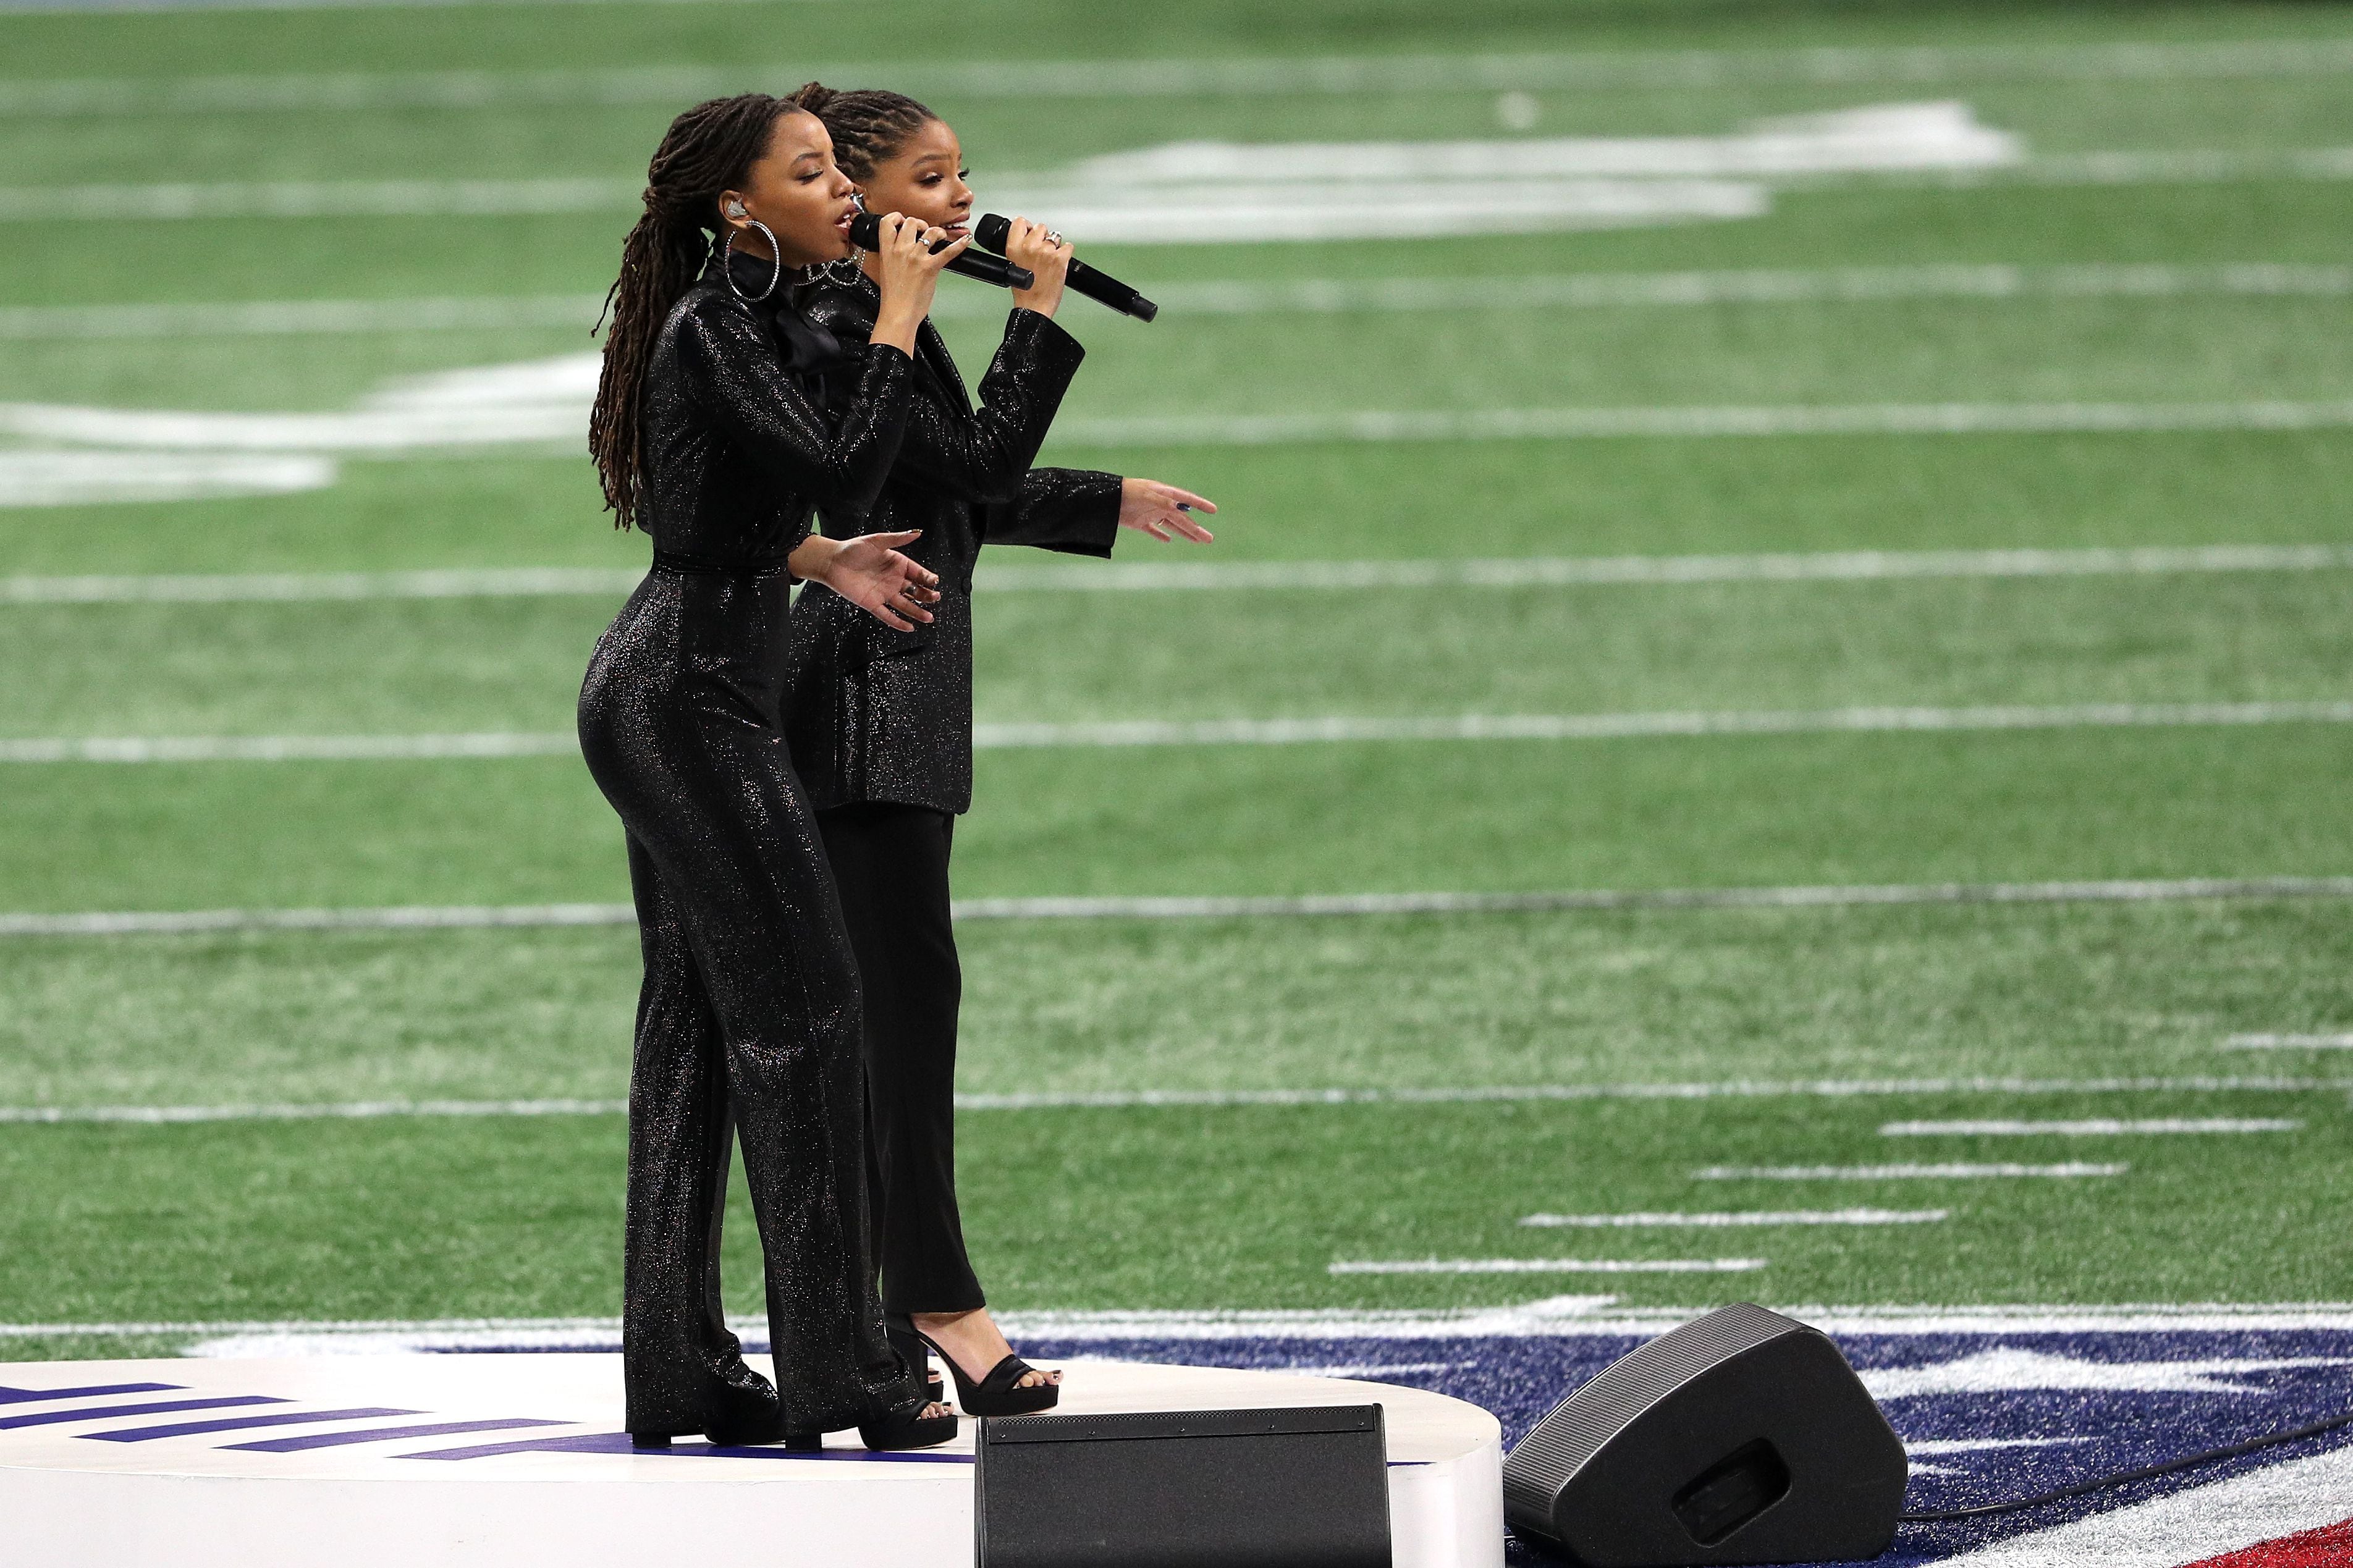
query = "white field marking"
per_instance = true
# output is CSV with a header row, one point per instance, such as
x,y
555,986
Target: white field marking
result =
x,y
1170,1099
286,748
2009,1368
2186,1526
413,917
1244,77
162,7
30,479
465,916
1201,193
1390,427
280,318
1551,1265
1721,1221
2335,1042
2072,1171
1195,215
1937,1447
320,198
1634,726
1205,211
1290,576
1223,732
1583,571
1845,285
2095,1127
351,1111
1551,1317
1307,296
480,583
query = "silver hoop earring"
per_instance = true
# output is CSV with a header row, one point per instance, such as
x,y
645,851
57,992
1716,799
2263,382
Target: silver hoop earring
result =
x,y
727,259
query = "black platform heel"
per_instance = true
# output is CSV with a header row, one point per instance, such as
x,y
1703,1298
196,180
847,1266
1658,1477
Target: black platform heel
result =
x,y
998,1394
900,1330
905,1427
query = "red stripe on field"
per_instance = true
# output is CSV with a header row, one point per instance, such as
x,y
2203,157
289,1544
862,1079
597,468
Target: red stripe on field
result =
x,y
2329,1548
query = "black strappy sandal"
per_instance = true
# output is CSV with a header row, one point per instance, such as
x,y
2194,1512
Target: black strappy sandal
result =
x,y
999,1392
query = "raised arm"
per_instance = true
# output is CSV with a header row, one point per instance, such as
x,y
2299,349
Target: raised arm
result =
x,y
840,459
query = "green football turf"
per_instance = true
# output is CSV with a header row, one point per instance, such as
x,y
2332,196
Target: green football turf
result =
x,y
1240,1206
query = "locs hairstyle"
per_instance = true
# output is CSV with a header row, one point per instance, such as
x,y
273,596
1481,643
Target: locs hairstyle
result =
x,y
868,126
709,149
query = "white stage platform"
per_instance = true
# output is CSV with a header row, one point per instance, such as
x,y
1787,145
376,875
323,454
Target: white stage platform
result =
x,y
403,1461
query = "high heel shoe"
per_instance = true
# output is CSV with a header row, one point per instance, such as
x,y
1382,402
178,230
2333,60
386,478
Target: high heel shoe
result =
x,y
999,1392
905,1426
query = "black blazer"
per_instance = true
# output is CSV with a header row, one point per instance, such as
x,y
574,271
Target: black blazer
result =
x,y
871,714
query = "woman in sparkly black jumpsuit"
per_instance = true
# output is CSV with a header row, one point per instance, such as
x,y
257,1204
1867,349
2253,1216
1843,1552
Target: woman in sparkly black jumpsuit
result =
x,y
880,721
711,438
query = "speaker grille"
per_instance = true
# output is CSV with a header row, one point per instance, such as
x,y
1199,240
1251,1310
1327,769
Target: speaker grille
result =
x,y
1563,1441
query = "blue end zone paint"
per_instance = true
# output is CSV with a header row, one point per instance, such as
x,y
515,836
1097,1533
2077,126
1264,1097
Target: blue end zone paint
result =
x,y
238,1424
28,1395
99,1412
310,1440
1522,1378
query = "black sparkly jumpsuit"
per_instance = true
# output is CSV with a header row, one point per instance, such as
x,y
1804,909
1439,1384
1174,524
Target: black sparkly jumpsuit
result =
x,y
749,1020
881,724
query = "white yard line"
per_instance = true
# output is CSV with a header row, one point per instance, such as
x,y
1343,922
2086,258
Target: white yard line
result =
x,y
1403,207
2072,1171
1152,1099
1551,1265
2094,1127
478,583
1228,732
277,318
1581,1317
2333,1042
286,748
1629,726
1726,1221
1306,296
1390,427
1288,576
1112,907
1583,571
1243,77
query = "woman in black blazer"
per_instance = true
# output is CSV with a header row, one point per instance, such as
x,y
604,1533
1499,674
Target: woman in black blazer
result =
x,y
711,436
881,721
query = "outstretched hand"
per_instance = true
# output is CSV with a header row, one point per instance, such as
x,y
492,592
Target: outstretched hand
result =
x,y
1150,507
870,573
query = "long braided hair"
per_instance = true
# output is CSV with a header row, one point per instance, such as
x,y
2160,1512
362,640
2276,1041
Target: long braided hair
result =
x,y
709,149
868,126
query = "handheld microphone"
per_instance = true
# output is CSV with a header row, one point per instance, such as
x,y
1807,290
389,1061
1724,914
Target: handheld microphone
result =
x,y
866,231
1101,287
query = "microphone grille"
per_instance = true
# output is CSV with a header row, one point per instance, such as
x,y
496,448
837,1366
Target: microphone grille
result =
x,y
991,230
866,231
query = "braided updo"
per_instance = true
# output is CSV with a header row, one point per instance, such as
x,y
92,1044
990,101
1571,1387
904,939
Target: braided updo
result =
x,y
709,149
868,127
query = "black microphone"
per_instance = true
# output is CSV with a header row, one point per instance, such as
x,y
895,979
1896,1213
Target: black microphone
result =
x,y
866,232
991,231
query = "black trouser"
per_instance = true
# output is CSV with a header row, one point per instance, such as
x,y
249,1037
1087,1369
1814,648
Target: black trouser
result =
x,y
750,1008
890,863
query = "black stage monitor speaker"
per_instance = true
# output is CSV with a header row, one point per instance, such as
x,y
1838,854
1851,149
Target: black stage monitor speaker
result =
x,y
1205,1488
1742,1436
